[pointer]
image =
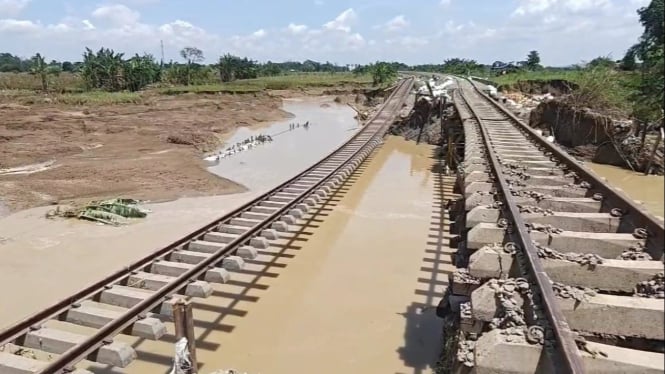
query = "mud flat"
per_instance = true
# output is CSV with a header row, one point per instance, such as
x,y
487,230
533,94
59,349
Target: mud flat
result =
x,y
148,150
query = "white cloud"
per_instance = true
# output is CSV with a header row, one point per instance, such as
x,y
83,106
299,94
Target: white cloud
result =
x,y
572,6
533,6
15,26
260,33
397,23
409,42
445,2
140,2
117,14
11,8
342,22
88,25
296,29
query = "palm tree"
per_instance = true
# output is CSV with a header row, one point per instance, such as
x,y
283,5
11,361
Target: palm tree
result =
x,y
39,67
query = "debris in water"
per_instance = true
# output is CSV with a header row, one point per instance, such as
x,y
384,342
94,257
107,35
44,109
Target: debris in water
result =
x,y
110,212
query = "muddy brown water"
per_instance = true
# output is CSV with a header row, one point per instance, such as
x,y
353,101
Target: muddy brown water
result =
x,y
354,292
291,151
648,189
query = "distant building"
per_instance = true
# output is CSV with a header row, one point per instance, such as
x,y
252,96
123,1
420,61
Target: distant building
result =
x,y
500,67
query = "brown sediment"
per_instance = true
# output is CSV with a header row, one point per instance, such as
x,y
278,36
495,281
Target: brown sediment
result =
x,y
151,150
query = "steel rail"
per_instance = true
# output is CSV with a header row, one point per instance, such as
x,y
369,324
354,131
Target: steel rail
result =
x,y
571,357
639,216
92,343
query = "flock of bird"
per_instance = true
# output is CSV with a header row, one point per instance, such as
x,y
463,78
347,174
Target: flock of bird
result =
x,y
249,143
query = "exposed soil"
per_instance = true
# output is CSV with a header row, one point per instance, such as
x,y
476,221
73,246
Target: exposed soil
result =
x,y
555,87
597,137
151,150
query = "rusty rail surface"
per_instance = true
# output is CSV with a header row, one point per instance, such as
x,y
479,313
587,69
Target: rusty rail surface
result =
x,y
353,151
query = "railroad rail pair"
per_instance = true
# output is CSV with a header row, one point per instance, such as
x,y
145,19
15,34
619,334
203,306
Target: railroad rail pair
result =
x,y
529,196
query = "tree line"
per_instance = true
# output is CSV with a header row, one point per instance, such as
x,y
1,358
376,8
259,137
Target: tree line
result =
x,y
109,70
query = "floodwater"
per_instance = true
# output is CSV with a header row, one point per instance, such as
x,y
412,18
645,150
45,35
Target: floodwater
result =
x,y
291,151
648,189
353,291
46,260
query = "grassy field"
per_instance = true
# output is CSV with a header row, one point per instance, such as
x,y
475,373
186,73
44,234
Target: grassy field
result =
x,y
600,88
63,82
281,82
542,75
67,88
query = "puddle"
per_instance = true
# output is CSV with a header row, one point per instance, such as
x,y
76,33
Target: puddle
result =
x,y
291,151
648,189
28,169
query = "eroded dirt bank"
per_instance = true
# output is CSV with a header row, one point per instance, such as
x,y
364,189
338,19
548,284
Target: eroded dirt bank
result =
x,y
149,150
597,137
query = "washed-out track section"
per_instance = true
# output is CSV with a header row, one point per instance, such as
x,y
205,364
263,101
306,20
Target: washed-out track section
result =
x,y
135,300
556,270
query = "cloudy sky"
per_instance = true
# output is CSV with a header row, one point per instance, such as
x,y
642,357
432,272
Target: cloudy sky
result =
x,y
341,31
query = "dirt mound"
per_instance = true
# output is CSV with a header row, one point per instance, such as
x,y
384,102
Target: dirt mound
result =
x,y
555,87
421,124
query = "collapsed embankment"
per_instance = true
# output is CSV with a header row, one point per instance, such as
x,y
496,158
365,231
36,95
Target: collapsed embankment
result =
x,y
587,134
423,123
597,137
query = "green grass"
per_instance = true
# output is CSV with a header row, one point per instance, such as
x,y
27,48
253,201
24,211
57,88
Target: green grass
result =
x,y
281,82
600,88
98,98
542,75
68,88
63,82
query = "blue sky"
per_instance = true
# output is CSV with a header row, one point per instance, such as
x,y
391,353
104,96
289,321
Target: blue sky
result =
x,y
346,32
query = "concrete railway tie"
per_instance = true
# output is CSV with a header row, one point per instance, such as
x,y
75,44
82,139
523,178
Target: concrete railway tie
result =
x,y
135,300
604,266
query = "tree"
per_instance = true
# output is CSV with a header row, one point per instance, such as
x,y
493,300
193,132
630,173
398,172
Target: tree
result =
x,y
648,106
602,61
140,71
628,61
192,55
460,66
42,69
67,66
107,70
103,70
233,67
533,60
382,72
650,50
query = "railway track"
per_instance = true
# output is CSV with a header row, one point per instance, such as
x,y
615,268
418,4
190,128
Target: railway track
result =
x,y
557,271
132,300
